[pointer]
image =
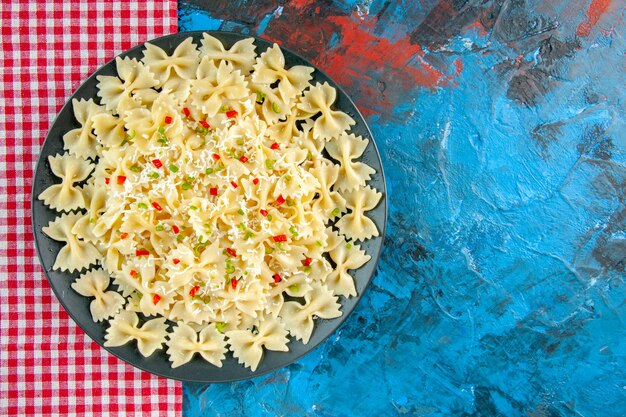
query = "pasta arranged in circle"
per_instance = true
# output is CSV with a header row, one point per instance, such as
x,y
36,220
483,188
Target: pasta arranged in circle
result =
x,y
200,192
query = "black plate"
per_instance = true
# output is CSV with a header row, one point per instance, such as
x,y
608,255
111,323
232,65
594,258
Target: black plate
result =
x,y
196,370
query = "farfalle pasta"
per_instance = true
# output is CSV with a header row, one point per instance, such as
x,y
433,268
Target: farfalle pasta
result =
x,y
202,191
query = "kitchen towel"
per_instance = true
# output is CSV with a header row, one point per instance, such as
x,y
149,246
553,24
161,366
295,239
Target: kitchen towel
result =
x,y
48,365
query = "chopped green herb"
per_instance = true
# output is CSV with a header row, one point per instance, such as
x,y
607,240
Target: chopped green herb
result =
x,y
309,156
183,227
279,245
186,186
318,243
335,211
220,326
209,171
162,140
240,142
260,98
202,130
142,205
159,228
92,220
348,246
290,202
269,217
220,166
294,287
269,164
154,175
162,130
130,135
191,179
180,237
287,178
224,108
140,295
135,168
229,267
307,269
240,211
248,235
173,168
269,251
214,138
193,207
293,231
275,108
202,143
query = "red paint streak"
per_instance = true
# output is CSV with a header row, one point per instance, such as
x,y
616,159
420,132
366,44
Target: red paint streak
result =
x,y
595,11
377,71
458,66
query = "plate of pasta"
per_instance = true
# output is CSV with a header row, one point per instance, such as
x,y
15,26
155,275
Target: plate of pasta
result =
x,y
209,206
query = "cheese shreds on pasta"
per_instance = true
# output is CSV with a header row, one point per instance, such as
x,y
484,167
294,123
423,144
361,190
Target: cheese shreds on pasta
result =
x,y
199,185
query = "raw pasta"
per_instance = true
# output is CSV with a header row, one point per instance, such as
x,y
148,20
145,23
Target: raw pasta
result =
x,y
210,202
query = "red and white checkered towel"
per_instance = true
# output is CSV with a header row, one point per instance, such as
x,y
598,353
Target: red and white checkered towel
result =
x,y
48,365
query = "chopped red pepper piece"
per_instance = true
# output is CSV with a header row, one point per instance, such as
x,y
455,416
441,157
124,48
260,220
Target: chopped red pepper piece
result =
x,y
231,252
142,252
204,124
157,163
231,113
280,200
307,261
175,229
186,112
155,299
168,120
133,273
233,283
107,180
243,159
277,278
234,184
176,261
213,191
255,181
216,157
280,238
121,179
194,290
263,212
274,146
157,206
123,235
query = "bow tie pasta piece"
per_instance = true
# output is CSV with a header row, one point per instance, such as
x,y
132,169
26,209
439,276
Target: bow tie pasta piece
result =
x,y
81,141
208,94
345,149
124,327
133,77
346,256
94,284
270,104
270,68
247,346
84,227
184,342
65,196
299,318
109,130
75,254
182,64
241,55
330,203
331,123
355,225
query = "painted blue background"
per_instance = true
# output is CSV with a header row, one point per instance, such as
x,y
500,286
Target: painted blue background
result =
x,y
501,288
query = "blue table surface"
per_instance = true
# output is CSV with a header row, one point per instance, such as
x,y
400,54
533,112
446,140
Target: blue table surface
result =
x,y
502,132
